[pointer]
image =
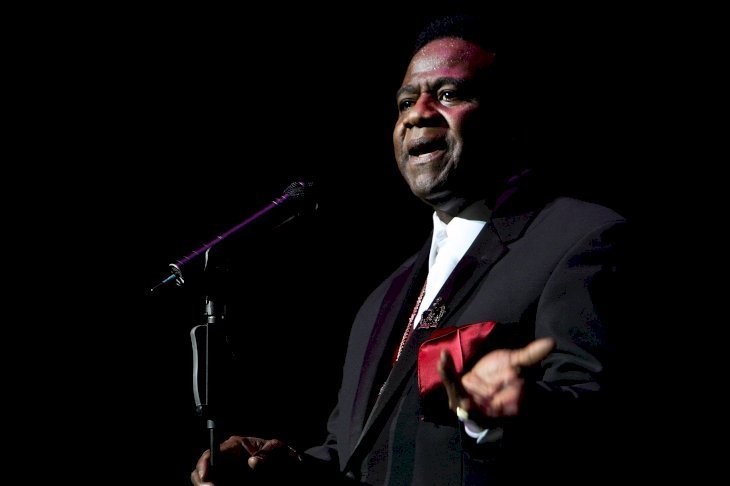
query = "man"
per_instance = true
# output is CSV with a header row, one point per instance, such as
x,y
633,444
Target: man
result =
x,y
486,357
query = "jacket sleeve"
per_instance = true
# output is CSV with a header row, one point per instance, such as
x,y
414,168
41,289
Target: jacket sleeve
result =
x,y
321,463
327,452
581,307
570,399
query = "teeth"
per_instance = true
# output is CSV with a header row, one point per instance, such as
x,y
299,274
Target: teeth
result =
x,y
425,148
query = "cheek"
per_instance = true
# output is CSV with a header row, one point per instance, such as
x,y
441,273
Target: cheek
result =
x,y
471,125
463,120
397,140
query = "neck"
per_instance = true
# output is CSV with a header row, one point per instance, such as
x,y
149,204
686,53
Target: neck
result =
x,y
447,209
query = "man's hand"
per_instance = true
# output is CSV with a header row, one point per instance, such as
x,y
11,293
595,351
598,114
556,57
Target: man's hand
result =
x,y
263,455
493,388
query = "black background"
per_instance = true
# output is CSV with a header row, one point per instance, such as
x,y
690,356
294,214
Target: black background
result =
x,y
172,126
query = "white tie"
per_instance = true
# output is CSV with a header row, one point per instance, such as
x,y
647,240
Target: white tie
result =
x,y
444,263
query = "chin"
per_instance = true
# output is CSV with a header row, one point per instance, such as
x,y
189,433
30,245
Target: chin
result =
x,y
426,193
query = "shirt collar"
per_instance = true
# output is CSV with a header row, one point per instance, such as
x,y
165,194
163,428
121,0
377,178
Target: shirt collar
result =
x,y
461,231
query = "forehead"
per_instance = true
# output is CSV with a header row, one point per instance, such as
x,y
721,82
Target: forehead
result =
x,y
448,57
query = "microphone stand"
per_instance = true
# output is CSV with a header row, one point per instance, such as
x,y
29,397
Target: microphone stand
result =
x,y
206,339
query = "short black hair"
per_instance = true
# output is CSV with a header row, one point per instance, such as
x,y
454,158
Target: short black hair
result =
x,y
471,28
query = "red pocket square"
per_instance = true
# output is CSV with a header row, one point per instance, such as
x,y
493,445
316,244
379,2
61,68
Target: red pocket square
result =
x,y
462,342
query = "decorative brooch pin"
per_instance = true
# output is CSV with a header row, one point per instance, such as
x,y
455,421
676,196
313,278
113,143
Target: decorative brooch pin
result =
x,y
433,314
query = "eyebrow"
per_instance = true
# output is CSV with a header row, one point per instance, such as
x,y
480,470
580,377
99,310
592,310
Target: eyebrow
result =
x,y
410,89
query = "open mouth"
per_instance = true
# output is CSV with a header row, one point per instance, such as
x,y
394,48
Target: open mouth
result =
x,y
424,146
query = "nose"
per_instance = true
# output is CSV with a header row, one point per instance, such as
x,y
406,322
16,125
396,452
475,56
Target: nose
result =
x,y
423,113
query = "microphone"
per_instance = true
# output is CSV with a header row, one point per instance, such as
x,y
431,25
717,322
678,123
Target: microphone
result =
x,y
298,197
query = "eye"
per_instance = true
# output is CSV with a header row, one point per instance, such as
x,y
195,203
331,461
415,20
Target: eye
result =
x,y
405,104
448,95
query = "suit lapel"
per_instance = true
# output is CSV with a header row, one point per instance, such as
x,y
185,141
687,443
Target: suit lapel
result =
x,y
486,250
396,305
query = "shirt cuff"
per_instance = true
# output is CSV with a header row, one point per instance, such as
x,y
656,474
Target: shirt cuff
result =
x,y
481,435
474,431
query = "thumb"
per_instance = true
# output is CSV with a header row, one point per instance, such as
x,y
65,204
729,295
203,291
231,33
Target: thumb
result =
x,y
532,353
253,446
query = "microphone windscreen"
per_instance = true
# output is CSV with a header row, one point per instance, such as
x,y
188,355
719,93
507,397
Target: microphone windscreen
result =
x,y
299,190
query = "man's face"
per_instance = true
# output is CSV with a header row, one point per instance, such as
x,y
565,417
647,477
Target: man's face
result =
x,y
440,105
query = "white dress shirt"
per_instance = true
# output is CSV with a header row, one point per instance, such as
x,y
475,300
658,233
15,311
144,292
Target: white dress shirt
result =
x,y
448,246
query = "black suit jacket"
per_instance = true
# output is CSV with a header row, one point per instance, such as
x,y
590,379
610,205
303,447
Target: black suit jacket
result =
x,y
538,269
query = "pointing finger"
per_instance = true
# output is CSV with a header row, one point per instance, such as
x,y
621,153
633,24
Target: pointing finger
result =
x,y
532,353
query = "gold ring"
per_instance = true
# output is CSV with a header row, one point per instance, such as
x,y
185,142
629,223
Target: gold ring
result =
x,y
462,414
